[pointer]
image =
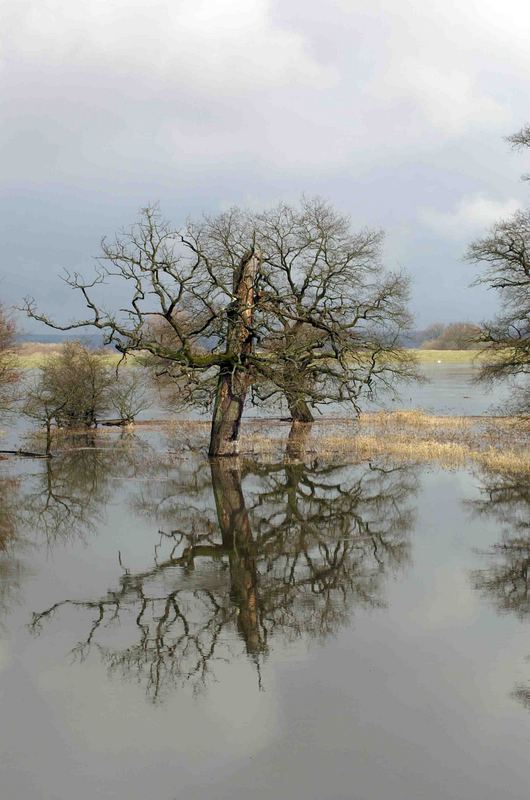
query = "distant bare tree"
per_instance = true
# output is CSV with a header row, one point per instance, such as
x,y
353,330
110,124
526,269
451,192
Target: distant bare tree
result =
x,y
130,394
289,302
9,374
72,388
456,336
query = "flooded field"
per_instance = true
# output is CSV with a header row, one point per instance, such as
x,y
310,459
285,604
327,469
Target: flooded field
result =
x,y
266,628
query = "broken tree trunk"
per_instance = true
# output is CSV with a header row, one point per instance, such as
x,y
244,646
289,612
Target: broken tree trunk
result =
x,y
233,381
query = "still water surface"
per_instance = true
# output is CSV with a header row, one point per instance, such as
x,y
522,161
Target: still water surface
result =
x,y
176,630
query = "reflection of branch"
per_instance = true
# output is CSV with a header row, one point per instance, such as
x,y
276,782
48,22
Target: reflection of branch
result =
x,y
506,498
505,581
70,492
292,560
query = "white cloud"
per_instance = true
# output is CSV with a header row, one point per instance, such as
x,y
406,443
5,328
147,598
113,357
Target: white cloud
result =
x,y
471,215
450,603
225,46
437,66
379,106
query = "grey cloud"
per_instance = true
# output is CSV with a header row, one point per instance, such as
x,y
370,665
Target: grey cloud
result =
x,y
393,110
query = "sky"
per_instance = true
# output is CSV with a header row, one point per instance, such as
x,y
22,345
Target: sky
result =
x,y
395,111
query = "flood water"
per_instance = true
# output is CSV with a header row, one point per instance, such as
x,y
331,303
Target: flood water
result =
x,y
449,389
176,629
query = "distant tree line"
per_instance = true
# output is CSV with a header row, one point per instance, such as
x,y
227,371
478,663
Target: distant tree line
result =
x,y
455,336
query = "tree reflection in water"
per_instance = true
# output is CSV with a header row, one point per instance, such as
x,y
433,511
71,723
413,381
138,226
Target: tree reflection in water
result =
x,y
59,499
67,497
11,569
9,510
283,551
505,581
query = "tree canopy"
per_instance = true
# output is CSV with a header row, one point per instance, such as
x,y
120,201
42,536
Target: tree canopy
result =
x,y
505,254
283,303
9,374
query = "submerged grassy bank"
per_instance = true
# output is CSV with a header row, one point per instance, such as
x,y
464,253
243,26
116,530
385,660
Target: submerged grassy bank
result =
x,y
496,443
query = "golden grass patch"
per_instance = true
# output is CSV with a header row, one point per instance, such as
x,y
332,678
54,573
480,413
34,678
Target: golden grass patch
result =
x,y
411,436
451,356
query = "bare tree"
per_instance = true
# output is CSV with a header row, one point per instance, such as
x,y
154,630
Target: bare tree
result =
x,y
521,138
334,316
456,336
505,252
72,388
129,393
287,303
9,374
42,405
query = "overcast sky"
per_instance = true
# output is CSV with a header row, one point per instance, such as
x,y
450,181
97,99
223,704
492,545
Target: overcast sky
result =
x,y
393,110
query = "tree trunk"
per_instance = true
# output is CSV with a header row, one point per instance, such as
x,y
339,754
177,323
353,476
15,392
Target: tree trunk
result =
x,y
300,411
233,381
297,441
239,542
48,437
228,410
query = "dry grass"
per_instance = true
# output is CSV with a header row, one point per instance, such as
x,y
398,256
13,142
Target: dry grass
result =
x,y
450,356
412,436
498,443
446,454
32,355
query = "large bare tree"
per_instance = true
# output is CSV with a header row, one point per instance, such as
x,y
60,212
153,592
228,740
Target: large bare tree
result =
x,y
289,302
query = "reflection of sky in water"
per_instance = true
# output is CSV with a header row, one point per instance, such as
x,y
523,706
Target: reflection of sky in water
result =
x,y
410,696
450,389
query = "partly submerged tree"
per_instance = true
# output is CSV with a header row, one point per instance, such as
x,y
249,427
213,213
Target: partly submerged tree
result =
x,y
505,252
129,393
75,384
76,387
289,302
9,375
